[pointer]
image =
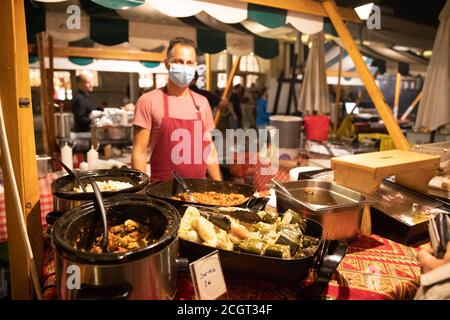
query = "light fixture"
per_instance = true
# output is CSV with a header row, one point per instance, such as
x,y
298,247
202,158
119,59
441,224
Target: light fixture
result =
x,y
427,53
305,38
364,10
401,48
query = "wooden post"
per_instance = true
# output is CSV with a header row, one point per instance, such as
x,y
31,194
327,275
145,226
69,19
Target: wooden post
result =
x,y
43,92
412,106
374,92
363,94
338,92
51,135
227,89
208,71
15,94
398,88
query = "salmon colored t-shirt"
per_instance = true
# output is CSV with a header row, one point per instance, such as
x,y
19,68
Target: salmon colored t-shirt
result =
x,y
150,111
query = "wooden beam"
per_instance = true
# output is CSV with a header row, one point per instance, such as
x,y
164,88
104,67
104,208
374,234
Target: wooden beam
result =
x,y
345,74
14,93
43,92
312,7
208,71
227,89
362,96
105,53
51,135
398,89
338,92
374,92
412,106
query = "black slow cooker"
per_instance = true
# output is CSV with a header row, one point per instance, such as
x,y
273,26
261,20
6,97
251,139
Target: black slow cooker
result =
x,y
65,198
146,273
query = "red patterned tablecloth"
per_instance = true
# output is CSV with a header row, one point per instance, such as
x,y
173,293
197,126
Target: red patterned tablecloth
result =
x,y
374,268
46,203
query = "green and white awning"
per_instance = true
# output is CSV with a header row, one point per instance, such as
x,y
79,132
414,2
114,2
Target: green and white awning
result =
x,y
238,27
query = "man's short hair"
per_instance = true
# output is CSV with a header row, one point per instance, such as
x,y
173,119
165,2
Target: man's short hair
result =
x,y
81,78
180,40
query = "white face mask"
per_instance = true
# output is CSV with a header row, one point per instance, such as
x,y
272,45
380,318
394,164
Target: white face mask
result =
x,y
181,74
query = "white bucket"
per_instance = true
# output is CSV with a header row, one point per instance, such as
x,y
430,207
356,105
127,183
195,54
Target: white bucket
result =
x,y
290,128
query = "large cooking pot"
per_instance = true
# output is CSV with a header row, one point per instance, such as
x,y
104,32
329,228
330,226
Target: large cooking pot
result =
x,y
65,199
146,273
165,190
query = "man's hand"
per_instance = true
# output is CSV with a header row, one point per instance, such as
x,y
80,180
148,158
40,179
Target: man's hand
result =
x,y
430,262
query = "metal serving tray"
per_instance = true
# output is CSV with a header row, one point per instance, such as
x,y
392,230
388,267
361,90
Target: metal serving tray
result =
x,y
323,196
337,208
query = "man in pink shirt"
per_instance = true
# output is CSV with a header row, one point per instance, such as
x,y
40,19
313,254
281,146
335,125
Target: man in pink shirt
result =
x,y
174,123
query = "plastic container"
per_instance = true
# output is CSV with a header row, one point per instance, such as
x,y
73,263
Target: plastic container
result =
x,y
316,127
92,158
290,129
386,142
42,163
67,156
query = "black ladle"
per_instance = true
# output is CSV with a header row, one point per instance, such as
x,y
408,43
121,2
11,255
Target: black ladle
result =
x,y
102,209
72,174
184,185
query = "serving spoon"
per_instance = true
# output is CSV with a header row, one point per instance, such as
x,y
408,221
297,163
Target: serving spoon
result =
x,y
102,209
283,188
184,185
72,174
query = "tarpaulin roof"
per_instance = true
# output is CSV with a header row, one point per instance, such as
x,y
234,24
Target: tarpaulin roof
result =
x,y
239,27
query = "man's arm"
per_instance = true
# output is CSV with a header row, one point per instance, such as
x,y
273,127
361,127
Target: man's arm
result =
x,y
140,145
225,103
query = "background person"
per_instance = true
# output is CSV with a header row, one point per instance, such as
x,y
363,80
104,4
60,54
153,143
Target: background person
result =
x,y
435,278
81,104
262,116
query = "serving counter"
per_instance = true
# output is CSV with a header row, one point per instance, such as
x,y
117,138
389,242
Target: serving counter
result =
x,y
374,268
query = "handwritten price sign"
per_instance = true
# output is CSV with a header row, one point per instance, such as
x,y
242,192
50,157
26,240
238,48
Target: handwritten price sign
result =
x,y
207,277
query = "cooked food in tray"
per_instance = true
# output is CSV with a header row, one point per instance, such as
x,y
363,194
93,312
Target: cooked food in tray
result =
x,y
282,237
130,235
109,185
213,198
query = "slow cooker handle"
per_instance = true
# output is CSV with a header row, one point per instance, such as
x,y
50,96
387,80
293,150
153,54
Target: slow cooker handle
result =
x,y
332,257
105,292
182,265
52,216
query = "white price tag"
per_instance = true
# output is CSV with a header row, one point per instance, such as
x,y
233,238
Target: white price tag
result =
x,y
207,276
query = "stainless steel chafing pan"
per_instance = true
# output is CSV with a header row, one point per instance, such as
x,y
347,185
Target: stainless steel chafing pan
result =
x,y
338,209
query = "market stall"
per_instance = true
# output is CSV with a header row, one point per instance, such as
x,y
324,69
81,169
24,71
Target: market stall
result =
x,y
299,232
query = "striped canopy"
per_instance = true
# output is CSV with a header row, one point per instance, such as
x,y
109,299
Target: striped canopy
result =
x,y
238,27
